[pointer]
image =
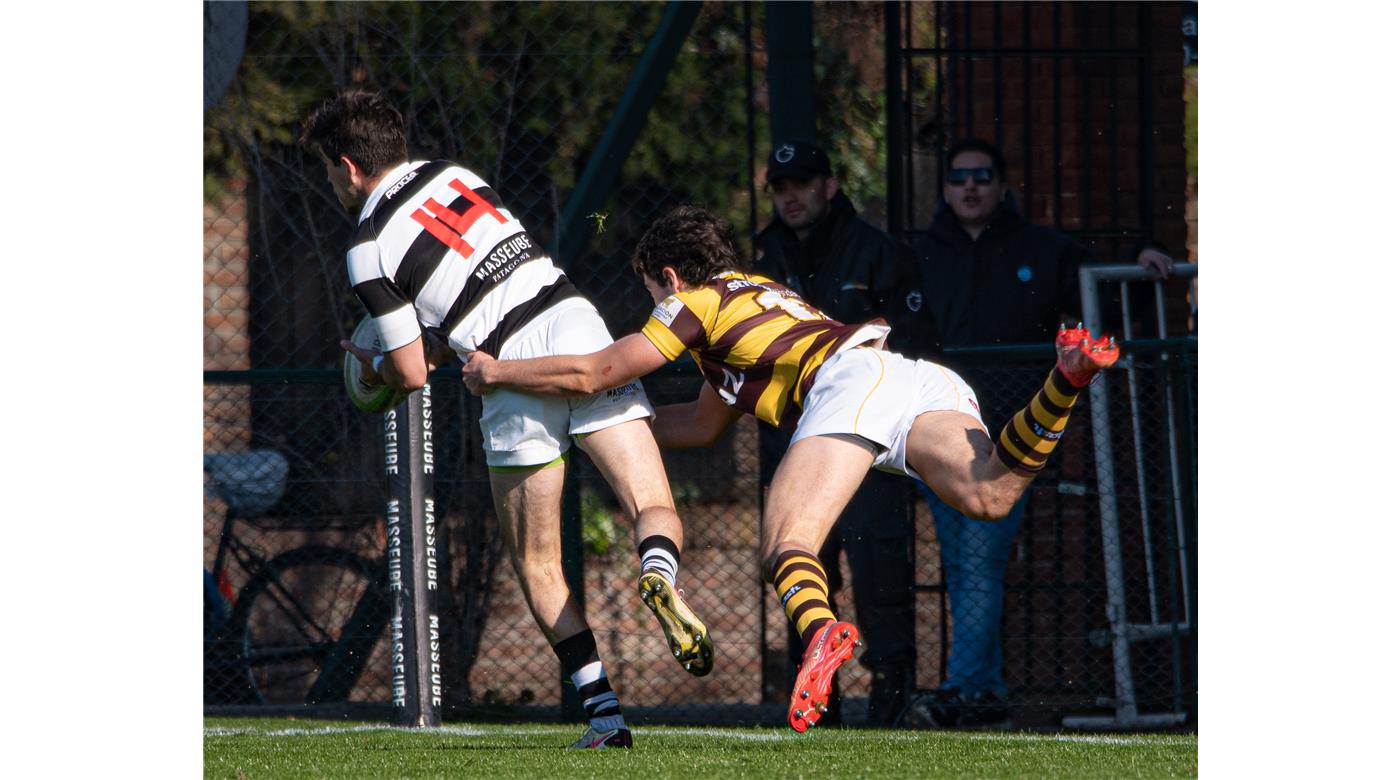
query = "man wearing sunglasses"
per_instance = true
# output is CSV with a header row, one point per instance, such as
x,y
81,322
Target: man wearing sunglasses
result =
x,y
983,276
818,246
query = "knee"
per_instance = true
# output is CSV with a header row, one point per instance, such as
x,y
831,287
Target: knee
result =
x,y
656,511
987,503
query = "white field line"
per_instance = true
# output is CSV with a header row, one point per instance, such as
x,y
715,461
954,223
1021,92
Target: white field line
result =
x,y
468,731
754,736
296,731
740,734
1089,739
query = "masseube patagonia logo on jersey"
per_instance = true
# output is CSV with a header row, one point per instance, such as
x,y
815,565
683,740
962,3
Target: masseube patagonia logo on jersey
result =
x,y
666,311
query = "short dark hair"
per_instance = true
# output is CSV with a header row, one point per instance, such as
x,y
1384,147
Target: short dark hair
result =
x,y
976,145
363,126
695,242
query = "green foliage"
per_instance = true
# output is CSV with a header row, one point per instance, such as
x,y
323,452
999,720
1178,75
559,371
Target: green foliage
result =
x,y
686,491
469,77
850,82
600,532
521,93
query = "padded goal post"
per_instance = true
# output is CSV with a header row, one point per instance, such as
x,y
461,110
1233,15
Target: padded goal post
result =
x,y
411,555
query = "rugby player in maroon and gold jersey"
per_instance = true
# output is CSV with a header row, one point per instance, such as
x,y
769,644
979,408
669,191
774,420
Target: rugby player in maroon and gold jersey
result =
x,y
851,404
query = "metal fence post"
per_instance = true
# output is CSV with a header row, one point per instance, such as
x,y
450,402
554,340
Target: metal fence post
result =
x,y
415,629
1121,630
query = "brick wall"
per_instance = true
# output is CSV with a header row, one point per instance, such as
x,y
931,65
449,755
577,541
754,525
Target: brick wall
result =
x,y
1094,139
227,409
226,344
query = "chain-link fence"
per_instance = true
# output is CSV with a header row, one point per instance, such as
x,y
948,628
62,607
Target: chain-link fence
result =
x,y
520,92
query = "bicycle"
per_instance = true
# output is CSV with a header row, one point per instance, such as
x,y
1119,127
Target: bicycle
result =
x,y
304,624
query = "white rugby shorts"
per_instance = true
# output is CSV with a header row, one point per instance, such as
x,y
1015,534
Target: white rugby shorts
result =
x,y
531,430
876,395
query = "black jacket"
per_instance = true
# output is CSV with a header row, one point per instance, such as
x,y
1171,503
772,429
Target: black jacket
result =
x,y
1007,287
846,267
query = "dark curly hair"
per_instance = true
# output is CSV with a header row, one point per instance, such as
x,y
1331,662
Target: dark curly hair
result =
x,y
363,126
691,240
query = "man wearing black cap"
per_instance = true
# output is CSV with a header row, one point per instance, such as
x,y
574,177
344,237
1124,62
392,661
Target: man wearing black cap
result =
x,y
818,246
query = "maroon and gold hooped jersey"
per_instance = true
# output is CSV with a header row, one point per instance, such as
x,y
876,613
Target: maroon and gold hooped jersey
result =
x,y
758,343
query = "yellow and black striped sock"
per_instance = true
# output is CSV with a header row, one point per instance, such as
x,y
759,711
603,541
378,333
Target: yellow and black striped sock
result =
x,y
800,582
1028,439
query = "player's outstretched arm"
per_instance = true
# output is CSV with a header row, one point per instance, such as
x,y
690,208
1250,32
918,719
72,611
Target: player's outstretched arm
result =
x,y
699,423
565,376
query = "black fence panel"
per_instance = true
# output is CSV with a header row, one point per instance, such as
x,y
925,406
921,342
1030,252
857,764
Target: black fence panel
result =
x,y
520,92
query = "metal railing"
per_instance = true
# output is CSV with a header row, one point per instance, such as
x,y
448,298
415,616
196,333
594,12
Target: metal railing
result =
x,y
1123,632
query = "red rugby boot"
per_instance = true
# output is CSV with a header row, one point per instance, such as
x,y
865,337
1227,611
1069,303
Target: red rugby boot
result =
x,y
832,646
1080,357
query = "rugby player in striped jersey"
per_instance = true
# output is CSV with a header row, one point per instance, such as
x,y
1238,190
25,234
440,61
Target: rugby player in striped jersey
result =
x,y
851,404
444,268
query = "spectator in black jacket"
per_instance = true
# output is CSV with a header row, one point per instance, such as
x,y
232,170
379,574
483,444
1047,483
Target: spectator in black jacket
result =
x,y
984,276
818,246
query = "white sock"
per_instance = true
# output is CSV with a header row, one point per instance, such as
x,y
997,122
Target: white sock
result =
x,y
662,562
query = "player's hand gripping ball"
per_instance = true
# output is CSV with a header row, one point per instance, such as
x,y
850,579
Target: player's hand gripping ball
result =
x,y
365,396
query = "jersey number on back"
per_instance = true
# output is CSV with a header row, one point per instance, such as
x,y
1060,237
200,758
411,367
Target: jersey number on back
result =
x,y
794,307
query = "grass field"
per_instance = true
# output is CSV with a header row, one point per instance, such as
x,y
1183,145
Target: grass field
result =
x,y
248,749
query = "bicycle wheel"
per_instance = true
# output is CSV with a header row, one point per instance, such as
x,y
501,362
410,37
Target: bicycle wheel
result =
x,y
309,622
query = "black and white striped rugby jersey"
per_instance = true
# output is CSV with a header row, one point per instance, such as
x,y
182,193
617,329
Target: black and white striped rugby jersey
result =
x,y
436,249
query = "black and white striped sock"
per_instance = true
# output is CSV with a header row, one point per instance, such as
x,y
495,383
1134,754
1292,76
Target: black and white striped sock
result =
x,y
578,655
659,554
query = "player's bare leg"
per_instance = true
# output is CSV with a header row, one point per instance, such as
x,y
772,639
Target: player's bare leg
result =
x,y
527,508
815,480
983,478
630,461
957,460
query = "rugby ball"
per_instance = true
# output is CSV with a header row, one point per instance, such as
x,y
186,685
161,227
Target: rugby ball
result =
x,y
367,397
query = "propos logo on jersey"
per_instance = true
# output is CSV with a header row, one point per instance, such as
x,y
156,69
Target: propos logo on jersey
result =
x,y
400,184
